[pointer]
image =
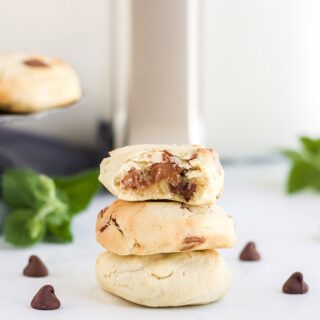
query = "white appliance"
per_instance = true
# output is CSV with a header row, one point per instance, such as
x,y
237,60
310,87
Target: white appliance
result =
x,y
241,76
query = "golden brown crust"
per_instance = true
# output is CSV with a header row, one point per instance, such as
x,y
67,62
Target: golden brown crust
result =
x,y
150,227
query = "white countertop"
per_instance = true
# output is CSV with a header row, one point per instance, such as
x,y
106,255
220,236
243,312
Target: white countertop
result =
x,y
285,229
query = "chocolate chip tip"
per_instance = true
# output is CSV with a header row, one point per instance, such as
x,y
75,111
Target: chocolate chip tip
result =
x,y
35,268
295,284
250,253
45,299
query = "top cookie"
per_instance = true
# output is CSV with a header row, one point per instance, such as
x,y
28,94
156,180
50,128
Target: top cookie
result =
x,y
33,82
185,173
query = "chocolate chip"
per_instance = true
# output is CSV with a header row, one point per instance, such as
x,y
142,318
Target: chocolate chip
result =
x,y
35,268
134,180
250,253
295,284
45,299
104,227
103,211
162,171
192,242
184,189
35,63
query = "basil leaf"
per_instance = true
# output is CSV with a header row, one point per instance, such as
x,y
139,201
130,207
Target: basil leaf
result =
x,y
3,215
26,189
303,175
305,170
21,229
59,233
292,155
79,189
41,207
311,145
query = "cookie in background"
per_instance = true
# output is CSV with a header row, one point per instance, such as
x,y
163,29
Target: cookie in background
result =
x,y
35,82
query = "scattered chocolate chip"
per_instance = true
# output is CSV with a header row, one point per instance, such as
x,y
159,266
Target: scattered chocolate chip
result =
x,y
45,299
35,63
250,253
35,268
295,284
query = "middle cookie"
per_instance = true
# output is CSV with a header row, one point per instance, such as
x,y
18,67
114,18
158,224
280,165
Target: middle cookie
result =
x,y
150,227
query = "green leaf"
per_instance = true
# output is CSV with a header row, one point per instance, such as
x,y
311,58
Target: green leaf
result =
x,y
79,189
311,145
303,175
305,170
56,211
21,230
42,207
3,214
292,155
26,189
59,233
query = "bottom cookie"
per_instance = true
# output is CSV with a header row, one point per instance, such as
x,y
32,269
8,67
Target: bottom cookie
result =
x,y
165,280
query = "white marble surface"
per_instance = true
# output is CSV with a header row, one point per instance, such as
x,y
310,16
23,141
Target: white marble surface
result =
x,y
286,230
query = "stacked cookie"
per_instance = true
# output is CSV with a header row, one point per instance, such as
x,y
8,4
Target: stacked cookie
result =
x,y
162,253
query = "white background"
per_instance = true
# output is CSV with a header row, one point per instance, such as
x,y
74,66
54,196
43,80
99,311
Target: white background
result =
x,y
260,73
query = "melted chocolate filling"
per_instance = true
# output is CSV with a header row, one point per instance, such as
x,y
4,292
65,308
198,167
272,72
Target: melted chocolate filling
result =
x,y
166,170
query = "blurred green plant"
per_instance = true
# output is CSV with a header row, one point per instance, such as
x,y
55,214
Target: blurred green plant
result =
x,y
41,207
305,168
